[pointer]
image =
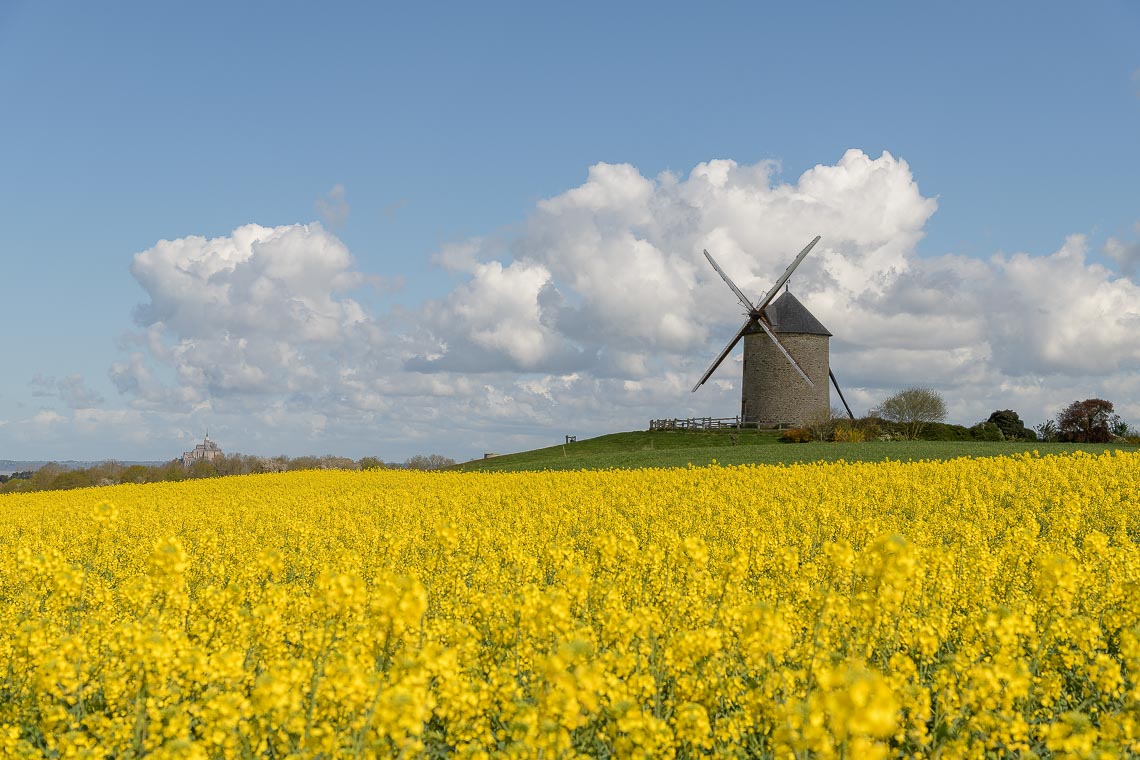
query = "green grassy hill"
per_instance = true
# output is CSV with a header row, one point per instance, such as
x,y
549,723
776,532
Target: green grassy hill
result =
x,y
679,448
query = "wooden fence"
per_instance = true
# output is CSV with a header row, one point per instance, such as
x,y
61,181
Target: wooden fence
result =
x,y
701,423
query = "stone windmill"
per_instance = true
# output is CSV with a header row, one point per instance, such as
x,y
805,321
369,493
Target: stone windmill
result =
x,y
786,360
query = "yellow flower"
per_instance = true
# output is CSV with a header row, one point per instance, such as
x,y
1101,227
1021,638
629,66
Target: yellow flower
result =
x,y
980,607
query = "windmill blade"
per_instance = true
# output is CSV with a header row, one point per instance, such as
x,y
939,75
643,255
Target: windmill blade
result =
x,y
836,384
784,351
743,298
716,362
787,273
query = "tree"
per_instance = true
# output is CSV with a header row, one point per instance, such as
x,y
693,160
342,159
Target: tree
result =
x,y
330,462
987,431
913,409
136,473
1047,431
428,462
172,471
203,468
44,476
226,465
1088,421
70,479
303,463
1011,425
371,463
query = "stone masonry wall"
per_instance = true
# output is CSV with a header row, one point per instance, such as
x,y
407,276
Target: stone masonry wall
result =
x,y
772,392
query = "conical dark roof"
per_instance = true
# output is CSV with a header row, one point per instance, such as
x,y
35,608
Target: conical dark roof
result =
x,y
787,315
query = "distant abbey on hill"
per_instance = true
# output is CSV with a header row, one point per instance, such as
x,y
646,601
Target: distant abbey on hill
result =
x,y
207,451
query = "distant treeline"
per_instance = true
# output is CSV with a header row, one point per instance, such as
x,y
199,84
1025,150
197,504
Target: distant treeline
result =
x,y
22,475
55,477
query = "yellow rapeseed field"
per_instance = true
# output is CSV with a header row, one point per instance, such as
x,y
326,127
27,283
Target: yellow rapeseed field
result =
x,y
977,607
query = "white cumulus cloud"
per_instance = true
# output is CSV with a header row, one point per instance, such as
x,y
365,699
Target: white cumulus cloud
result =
x,y
614,265
1125,253
261,311
598,312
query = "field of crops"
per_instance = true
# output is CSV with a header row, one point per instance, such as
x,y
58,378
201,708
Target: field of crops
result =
x,y
834,610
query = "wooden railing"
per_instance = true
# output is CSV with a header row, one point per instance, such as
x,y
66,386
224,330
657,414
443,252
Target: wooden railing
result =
x,y
701,423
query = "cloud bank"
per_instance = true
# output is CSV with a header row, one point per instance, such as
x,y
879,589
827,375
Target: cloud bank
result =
x,y
598,312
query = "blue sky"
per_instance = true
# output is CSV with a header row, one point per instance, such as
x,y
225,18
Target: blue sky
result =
x,y
443,125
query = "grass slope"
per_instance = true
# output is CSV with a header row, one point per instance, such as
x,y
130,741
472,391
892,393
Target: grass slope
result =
x,y
678,448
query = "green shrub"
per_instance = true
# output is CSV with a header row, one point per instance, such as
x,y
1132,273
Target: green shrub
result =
x,y
986,431
847,434
870,427
796,435
941,431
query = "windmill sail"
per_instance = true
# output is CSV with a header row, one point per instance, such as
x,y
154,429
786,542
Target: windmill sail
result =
x,y
743,298
836,384
727,350
787,274
756,315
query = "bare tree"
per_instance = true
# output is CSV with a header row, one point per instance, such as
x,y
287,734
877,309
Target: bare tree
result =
x,y
330,462
428,462
303,463
913,409
1047,431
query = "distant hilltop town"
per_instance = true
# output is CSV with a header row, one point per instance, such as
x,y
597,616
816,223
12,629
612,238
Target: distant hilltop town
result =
x,y
207,451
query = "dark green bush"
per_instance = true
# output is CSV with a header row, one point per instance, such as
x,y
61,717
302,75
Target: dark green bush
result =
x,y
1011,426
871,427
941,431
986,431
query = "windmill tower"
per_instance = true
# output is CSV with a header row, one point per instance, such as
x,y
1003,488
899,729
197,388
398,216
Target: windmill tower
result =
x,y
786,356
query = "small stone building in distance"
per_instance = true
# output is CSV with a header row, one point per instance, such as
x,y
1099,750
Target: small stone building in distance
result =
x,y
772,392
206,450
